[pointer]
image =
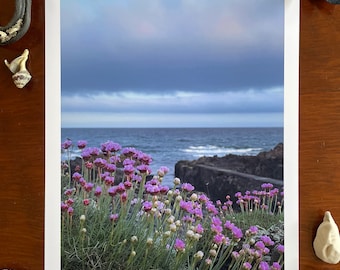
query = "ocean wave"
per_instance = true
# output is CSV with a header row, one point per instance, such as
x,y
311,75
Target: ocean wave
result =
x,y
213,150
73,154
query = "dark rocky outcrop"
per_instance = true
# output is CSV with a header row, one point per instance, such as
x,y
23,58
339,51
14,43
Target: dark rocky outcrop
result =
x,y
221,176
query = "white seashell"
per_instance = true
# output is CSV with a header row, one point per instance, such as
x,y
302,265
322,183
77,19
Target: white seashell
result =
x,y
18,67
327,240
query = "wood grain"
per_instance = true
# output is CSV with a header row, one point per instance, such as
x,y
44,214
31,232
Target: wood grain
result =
x,y
319,142
22,149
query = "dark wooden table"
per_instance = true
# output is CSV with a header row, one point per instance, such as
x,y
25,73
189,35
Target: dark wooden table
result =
x,y
22,149
22,136
319,130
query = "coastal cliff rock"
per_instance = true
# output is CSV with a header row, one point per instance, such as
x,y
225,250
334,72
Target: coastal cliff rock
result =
x,y
221,176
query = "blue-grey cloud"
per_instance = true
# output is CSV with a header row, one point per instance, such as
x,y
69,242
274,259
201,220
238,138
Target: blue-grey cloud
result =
x,y
266,101
167,46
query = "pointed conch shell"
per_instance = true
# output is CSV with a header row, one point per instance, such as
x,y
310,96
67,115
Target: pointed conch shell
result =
x,y
327,240
21,76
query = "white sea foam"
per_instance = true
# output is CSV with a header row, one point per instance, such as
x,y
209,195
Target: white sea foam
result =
x,y
213,150
73,154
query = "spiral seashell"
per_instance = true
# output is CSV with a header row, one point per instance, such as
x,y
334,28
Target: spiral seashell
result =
x,y
327,240
17,66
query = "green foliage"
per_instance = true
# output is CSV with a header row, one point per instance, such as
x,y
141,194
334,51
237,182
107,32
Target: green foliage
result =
x,y
135,223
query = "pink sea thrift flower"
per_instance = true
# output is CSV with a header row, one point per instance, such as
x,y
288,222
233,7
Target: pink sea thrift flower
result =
x,y
216,228
187,187
76,176
82,182
280,248
94,151
127,184
253,230
246,266
129,169
152,189
69,192
179,245
129,151
186,206
98,191
237,233
216,221
110,167
164,189
144,158
66,144
88,187
110,146
137,178
198,213
121,188
235,255
99,162
263,266
188,219
115,159
81,144
70,211
114,217
199,228
86,202
123,197
275,266
147,206
88,165
64,206
69,201
203,198
112,191
86,154
109,180
268,186
219,239
266,240
260,245
144,168
162,171
211,208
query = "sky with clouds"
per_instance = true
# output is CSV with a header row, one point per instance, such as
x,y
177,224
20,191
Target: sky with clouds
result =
x,y
172,63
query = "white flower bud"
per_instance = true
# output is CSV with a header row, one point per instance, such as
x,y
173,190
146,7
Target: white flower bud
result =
x,y
194,197
173,227
171,219
179,198
190,234
149,241
212,252
177,181
199,255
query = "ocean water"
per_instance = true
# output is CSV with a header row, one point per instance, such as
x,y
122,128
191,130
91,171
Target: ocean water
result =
x,y
169,145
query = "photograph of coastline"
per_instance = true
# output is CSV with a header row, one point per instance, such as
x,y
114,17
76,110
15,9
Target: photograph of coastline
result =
x,y
160,87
